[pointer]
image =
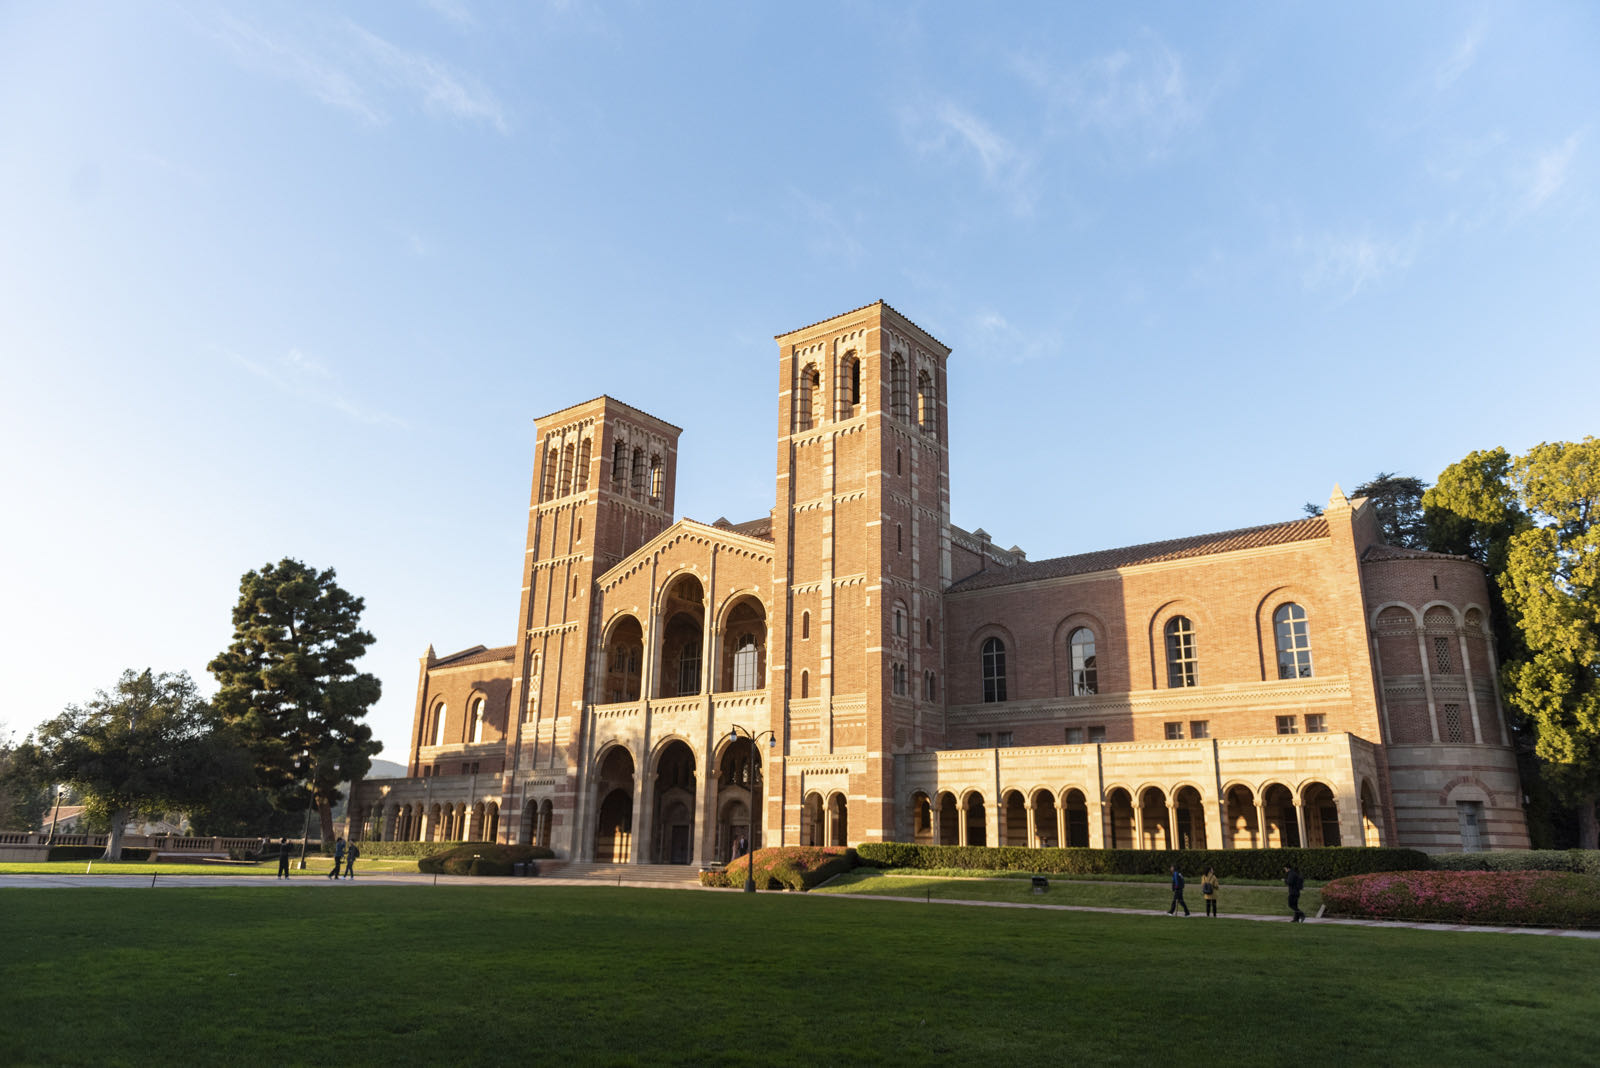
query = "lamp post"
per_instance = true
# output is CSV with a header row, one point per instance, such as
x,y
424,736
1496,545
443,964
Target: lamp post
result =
x,y
736,731
55,820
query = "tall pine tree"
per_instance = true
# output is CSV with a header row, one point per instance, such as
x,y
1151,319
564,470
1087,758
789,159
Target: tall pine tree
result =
x,y
290,686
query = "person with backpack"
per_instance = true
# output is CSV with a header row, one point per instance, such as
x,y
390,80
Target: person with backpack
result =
x,y
351,852
1292,879
1177,893
1208,887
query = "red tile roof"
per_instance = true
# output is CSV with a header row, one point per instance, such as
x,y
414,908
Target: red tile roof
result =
x,y
476,655
1154,552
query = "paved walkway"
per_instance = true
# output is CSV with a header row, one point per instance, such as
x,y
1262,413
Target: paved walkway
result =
x,y
314,879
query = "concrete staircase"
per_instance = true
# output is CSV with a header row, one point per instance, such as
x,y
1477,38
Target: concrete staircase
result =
x,y
658,875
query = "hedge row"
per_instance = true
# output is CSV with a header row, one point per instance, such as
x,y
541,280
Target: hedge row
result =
x,y
1229,863
480,858
1581,861
784,867
411,849
85,852
1540,898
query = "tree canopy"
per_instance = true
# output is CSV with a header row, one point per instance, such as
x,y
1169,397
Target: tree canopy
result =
x,y
149,745
289,684
1397,501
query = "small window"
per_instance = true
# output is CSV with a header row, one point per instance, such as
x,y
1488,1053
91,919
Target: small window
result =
x,y
1316,723
900,393
1199,728
1441,655
899,673
926,409
579,527
619,466
1294,644
568,452
549,474
899,468
805,626
745,658
576,580
932,687
1074,735
438,724
580,477
927,631
1003,738
657,479
899,539
1287,725
1096,735
805,684
1085,674
994,670
1183,667
809,382
638,472
477,721
1452,724
985,740
899,621
689,668
1174,731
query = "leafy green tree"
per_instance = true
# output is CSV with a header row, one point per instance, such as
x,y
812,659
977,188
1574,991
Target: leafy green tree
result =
x,y
24,795
149,745
289,684
1551,584
1397,500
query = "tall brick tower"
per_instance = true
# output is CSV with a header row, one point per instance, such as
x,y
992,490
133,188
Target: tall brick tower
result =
x,y
861,551
603,482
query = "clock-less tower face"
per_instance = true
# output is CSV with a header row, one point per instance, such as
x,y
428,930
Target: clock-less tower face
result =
x,y
862,526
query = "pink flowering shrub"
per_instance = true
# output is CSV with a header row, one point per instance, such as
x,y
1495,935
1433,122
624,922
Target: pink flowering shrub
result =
x,y
785,867
1539,898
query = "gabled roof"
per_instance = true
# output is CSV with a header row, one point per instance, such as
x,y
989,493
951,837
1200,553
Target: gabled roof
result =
x,y
753,528
478,654
1154,552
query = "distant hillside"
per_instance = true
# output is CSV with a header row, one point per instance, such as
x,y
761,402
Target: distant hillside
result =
x,y
386,769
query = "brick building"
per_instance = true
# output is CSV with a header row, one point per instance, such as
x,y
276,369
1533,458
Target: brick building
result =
x,y
852,667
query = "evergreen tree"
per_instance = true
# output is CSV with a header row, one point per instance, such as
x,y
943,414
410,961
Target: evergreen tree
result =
x,y
1397,500
289,684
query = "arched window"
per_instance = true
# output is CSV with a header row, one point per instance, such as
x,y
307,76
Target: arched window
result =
x,y
438,723
619,466
805,626
926,416
849,385
550,465
744,663
477,721
932,682
899,395
1085,675
805,684
581,480
689,668
638,471
899,673
567,454
657,478
803,390
994,670
899,620
1183,667
1294,641
927,631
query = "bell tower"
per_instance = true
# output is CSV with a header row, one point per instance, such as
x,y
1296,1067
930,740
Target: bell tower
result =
x,y
861,532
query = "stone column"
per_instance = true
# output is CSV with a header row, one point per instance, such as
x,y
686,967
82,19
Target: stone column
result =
x,y
1033,827
1138,823
1472,691
1263,840
961,822
1300,820
1173,841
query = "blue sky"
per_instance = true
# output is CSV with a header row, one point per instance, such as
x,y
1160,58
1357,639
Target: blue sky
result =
x,y
295,280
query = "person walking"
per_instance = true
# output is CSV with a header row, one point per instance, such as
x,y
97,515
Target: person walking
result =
x,y
1208,887
1291,879
283,858
338,858
1177,893
351,852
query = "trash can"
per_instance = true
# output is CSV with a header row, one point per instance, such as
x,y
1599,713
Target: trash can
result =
x,y
1040,884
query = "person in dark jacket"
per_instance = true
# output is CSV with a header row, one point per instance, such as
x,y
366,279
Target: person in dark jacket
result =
x,y
1291,879
338,858
1177,893
283,858
352,851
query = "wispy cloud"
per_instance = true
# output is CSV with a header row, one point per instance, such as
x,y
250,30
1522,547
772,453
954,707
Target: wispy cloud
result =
x,y
305,378
828,236
1141,96
945,129
452,11
994,337
1349,262
353,69
1549,173
1462,59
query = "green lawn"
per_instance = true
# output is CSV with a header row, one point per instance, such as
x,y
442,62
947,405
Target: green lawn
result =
x,y
315,865
1256,900
569,975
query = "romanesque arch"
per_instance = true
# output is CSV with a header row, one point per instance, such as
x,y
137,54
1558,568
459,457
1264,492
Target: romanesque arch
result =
x,y
1321,812
743,661
624,660
613,794
1045,831
672,803
738,804
921,819
682,644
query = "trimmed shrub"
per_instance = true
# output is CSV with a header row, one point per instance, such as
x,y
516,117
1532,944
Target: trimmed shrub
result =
x,y
409,849
785,867
1582,861
1316,864
479,858
1540,898
139,853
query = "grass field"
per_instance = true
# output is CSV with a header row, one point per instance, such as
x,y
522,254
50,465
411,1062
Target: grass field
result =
x,y
1252,900
567,975
315,865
